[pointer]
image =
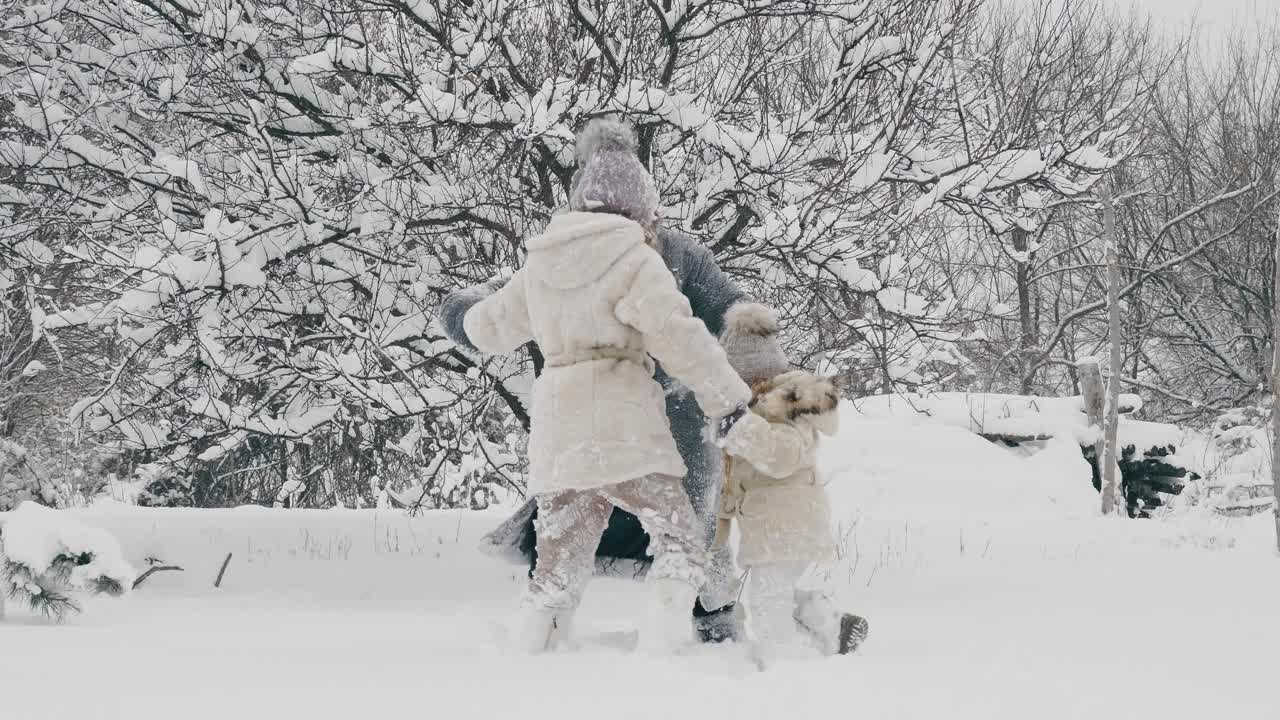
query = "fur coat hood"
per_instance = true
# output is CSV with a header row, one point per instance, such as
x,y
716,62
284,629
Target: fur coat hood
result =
x,y
577,249
772,488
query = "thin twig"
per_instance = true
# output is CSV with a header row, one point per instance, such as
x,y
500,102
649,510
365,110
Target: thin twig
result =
x,y
154,569
223,571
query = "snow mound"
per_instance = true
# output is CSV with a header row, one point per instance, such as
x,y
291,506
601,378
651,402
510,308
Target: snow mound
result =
x,y
944,457
934,478
911,491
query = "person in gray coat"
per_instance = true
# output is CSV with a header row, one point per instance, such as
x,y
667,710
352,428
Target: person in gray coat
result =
x,y
710,293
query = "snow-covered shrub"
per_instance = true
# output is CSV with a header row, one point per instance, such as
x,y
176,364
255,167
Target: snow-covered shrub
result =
x,y
1240,431
21,481
291,491
159,485
47,560
1238,463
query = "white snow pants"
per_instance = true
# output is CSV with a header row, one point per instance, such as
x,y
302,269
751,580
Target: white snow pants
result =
x,y
570,523
771,605
785,619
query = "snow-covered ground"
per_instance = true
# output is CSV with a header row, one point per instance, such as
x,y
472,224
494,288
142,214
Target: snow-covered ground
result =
x,y
992,590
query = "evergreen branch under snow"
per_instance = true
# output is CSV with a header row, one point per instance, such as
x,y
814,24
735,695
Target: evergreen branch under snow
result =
x,y
47,559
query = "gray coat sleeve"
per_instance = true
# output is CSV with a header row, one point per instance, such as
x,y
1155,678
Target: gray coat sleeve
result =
x,y
711,293
454,310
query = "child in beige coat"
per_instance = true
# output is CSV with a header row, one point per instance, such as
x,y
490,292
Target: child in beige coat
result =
x,y
599,301
774,494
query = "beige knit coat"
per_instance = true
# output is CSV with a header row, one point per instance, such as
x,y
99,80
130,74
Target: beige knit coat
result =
x,y
772,488
599,302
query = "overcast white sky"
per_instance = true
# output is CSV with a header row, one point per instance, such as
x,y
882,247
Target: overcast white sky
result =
x,y
1216,12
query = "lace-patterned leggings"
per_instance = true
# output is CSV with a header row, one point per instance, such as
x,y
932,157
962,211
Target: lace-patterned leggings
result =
x,y
570,523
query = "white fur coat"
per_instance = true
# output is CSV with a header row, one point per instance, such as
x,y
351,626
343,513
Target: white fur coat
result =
x,y
772,487
599,302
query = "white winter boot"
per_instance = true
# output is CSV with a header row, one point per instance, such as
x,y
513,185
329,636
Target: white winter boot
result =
x,y
539,629
668,625
818,617
832,631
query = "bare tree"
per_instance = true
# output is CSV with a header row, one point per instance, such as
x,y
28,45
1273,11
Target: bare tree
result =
x,y
1071,66
1275,385
1198,236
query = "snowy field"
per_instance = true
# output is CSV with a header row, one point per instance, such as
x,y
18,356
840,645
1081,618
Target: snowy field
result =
x,y
992,590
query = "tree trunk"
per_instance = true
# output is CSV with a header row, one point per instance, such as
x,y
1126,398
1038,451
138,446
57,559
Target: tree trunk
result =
x,y
1275,386
2,563
1026,321
1111,492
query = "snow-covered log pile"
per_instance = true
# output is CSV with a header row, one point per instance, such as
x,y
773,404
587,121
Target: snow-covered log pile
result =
x,y
1150,466
1148,476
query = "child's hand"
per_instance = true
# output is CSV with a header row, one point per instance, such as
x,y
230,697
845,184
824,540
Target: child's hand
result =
x,y
726,423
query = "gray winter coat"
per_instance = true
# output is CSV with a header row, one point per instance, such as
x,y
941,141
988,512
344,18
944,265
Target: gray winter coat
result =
x,y
710,293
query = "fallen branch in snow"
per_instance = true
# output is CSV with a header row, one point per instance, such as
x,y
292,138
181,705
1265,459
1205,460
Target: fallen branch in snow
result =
x,y
1014,438
223,571
154,569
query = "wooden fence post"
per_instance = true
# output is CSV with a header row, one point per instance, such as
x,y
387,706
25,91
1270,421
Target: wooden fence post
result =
x,y
1094,395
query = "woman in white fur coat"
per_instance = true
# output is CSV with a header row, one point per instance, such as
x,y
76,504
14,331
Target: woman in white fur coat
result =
x,y
599,301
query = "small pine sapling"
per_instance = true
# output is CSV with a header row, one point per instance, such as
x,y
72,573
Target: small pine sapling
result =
x,y
47,561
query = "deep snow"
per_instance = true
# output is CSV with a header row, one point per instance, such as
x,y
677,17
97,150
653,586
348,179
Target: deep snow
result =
x,y
993,592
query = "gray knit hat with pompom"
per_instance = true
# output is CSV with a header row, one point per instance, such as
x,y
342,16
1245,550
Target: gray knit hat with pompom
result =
x,y
610,177
750,339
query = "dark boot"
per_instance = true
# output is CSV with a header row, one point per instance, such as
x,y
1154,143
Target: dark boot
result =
x,y
853,631
715,626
